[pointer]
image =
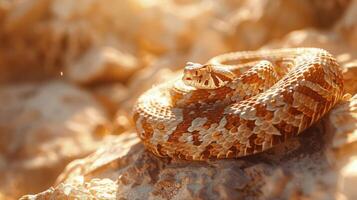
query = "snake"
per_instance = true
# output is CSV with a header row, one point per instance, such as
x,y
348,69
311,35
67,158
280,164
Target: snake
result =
x,y
238,104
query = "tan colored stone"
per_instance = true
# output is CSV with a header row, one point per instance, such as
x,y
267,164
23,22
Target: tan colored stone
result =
x,y
167,26
347,25
342,125
348,179
296,169
158,71
328,40
327,13
55,33
111,95
122,122
42,128
48,35
208,45
350,77
102,64
258,22
78,189
25,14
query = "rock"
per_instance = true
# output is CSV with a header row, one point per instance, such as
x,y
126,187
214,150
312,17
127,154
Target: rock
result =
x,y
122,122
327,13
25,14
15,19
111,95
342,125
167,27
48,35
257,22
348,179
96,188
100,160
350,77
347,25
212,43
42,128
159,70
328,40
297,169
103,64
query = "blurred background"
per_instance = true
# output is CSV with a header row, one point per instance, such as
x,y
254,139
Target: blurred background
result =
x,y
70,70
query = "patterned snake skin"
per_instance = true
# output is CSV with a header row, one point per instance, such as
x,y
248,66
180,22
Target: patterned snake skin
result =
x,y
239,103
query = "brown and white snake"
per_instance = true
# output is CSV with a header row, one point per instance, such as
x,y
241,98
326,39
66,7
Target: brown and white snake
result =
x,y
239,103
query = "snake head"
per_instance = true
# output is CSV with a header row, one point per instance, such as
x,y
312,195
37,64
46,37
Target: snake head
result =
x,y
206,76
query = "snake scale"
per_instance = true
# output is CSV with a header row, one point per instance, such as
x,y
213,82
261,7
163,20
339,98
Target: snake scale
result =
x,y
239,103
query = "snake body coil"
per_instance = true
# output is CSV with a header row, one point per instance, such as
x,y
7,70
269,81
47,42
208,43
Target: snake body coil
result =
x,y
239,103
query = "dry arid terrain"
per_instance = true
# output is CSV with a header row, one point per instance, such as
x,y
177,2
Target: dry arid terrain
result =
x,y
71,70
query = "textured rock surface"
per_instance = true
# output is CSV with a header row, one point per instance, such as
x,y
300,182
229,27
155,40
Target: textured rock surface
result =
x,y
342,125
257,22
347,26
350,77
277,173
303,168
51,34
348,179
102,64
42,128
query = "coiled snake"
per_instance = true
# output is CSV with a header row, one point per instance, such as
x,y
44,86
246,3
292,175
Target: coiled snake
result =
x,y
239,103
